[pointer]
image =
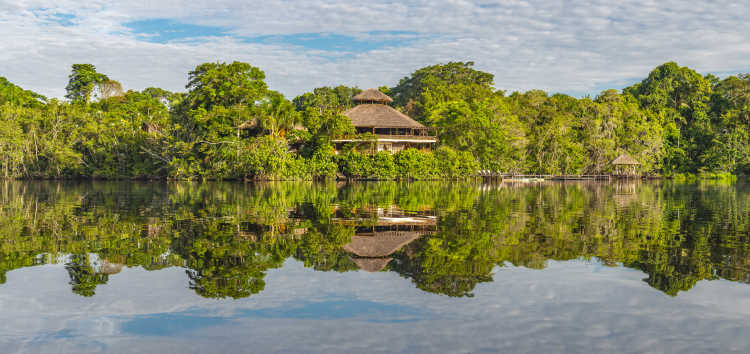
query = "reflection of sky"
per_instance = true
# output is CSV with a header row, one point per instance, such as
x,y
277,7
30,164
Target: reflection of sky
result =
x,y
568,307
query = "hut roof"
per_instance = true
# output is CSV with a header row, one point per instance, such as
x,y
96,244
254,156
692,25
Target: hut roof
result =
x,y
371,264
372,95
250,124
625,159
380,115
382,244
110,268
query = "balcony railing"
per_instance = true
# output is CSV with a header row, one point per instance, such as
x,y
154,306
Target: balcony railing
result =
x,y
386,138
398,131
425,138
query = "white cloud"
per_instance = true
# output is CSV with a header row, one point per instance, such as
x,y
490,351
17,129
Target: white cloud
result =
x,y
564,46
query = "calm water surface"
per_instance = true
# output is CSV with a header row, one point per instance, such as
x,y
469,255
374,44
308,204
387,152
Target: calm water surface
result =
x,y
374,267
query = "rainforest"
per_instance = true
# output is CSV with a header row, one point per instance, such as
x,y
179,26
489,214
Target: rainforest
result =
x,y
230,125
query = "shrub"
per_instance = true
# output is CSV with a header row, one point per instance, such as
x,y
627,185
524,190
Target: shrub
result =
x,y
414,164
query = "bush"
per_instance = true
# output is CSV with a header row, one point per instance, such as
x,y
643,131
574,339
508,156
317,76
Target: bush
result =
x,y
322,163
453,164
408,164
383,166
413,164
353,164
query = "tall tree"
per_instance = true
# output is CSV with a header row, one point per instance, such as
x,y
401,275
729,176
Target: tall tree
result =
x,y
321,114
82,81
430,86
681,97
485,128
109,88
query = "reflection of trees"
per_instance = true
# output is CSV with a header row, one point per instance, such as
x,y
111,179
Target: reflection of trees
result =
x,y
677,235
441,273
320,248
83,277
222,262
229,235
455,259
41,221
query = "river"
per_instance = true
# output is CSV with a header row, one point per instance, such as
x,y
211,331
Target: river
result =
x,y
450,267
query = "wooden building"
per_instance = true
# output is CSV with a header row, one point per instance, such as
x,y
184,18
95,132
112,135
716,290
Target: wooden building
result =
x,y
625,166
392,130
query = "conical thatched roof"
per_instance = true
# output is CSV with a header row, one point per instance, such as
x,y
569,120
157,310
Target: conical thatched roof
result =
x,y
383,244
380,116
371,264
372,95
625,159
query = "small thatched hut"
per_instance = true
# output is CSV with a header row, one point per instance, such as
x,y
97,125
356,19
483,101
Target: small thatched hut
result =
x,y
625,165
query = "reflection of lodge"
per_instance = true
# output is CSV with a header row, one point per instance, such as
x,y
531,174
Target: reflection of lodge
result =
x,y
379,233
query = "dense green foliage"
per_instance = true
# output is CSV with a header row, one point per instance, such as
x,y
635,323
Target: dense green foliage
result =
x,y
228,236
230,125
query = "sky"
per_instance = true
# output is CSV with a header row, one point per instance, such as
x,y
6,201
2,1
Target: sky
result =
x,y
576,47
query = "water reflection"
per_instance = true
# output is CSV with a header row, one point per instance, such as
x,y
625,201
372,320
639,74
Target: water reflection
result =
x,y
446,238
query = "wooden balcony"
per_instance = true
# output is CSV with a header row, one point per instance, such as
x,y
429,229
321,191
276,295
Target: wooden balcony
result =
x,y
393,138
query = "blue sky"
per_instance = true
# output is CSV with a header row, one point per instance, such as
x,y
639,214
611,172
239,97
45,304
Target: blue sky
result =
x,y
164,30
575,47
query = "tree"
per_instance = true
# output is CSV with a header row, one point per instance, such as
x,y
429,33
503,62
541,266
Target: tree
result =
x,y
279,115
430,86
486,129
82,81
226,85
83,278
321,114
681,97
14,95
222,99
109,88
321,110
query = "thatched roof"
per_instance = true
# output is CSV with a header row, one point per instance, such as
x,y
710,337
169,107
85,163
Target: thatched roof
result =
x,y
110,268
371,264
372,95
151,127
380,116
250,124
625,159
382,244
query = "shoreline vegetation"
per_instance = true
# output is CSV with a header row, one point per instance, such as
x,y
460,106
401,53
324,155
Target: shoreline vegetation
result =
x,y
229,125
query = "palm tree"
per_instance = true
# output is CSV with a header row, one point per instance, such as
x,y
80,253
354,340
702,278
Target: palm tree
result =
x,y
279,115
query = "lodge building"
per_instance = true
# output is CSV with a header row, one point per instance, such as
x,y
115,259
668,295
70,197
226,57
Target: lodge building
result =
x,y
393,130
